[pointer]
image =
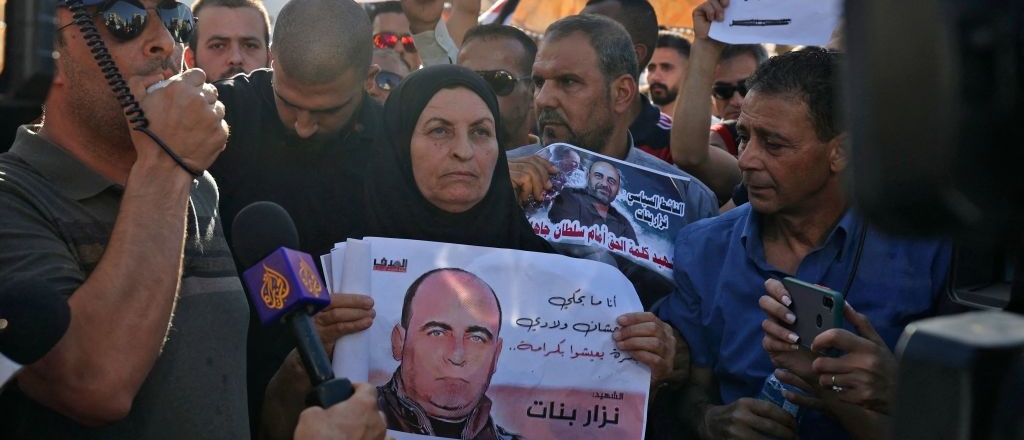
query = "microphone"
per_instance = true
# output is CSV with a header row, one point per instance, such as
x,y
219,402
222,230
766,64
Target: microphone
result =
x,y
33,318
284,285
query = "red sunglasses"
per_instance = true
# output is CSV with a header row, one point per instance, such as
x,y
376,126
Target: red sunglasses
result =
x,y
388,40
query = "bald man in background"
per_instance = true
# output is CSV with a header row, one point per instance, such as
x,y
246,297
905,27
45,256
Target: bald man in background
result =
x,y
301,134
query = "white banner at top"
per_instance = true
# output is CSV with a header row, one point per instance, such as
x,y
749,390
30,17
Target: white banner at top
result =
x,y
791,22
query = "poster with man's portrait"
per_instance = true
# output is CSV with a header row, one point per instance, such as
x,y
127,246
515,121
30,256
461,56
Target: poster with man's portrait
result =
x,y
480,343
610,210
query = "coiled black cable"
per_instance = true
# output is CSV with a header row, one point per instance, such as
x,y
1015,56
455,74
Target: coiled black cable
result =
x,y
132,109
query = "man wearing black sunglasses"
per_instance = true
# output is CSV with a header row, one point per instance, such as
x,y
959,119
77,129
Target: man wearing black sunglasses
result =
x,y
392,70
503,56
736,63
126,221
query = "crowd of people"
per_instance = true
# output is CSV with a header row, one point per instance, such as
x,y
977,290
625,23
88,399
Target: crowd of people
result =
x,y
391,121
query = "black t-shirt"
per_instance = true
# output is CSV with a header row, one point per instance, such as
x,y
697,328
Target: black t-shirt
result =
x,y
652,131
321,188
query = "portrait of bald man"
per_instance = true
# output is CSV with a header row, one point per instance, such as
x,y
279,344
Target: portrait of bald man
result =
x,y
448,344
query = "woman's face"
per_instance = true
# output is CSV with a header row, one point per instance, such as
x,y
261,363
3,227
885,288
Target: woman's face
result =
x,y
454,149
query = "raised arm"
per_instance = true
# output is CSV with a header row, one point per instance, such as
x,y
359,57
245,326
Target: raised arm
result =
x,y
691,122
121,313
463,17
430,33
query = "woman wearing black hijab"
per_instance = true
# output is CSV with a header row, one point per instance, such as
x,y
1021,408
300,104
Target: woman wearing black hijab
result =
x,y
433,177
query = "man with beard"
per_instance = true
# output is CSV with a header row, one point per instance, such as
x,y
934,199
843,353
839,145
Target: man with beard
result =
x,y
592,205
302,134
448,345
232,37
650,128
586,75
667,69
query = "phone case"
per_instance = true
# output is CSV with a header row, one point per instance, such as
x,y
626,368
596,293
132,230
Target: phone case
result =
x,y
816,308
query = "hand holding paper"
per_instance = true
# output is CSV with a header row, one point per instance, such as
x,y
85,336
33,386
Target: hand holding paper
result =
x,y
648,340
705,14
793,22
348,313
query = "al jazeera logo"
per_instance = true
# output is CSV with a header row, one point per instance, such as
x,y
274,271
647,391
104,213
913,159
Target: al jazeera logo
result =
x,y
309,278
275,288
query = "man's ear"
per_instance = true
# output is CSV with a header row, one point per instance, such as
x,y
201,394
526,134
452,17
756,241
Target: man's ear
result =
x,y
839,155
190,57
397,342
270,55
623,90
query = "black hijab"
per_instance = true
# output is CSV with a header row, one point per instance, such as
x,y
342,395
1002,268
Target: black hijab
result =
x,y
395,206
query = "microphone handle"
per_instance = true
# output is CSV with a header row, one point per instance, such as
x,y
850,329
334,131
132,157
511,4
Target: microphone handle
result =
x,y
327,390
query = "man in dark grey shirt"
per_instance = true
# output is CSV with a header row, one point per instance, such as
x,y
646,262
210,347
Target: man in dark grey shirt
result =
x,y
127,226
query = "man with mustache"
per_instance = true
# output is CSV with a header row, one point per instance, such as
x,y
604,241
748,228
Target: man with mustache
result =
x,y
592,205
232,37
585,76
124,222
651,129
667,69
448,343
583,97
800,222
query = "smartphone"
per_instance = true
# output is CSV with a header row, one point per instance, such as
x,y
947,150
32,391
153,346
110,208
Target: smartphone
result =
x,y
816,308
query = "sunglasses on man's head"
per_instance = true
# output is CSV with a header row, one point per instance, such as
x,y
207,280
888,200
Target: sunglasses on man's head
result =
x,y
388,40
387,80
726,90
127,19
501,81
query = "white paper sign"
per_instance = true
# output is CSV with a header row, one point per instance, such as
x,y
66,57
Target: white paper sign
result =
x,y
792,22
557,373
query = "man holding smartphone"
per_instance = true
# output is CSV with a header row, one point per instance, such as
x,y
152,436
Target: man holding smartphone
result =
x,y
798,223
